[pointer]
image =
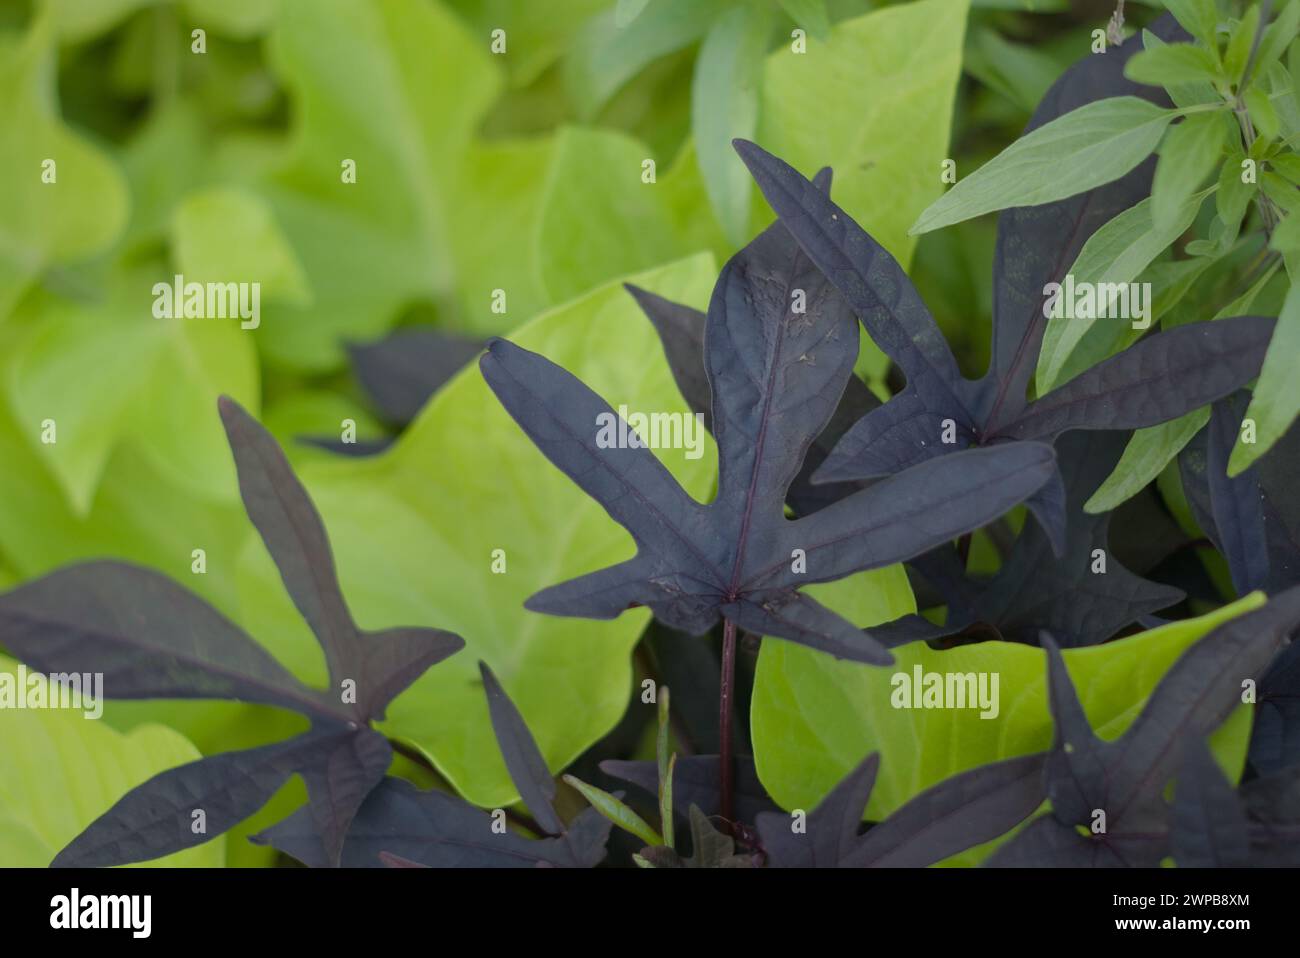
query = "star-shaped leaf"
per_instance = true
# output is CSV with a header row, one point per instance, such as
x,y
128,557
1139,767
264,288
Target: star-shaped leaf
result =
x,y
153,639
1108,798
958,813
779,348
399,824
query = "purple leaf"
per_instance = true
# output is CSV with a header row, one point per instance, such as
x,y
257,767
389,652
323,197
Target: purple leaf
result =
x,y
779,348
524,760
149,637
1158,379
1209,827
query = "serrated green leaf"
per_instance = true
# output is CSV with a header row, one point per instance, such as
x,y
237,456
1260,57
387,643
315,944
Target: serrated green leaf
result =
x,y
1085,148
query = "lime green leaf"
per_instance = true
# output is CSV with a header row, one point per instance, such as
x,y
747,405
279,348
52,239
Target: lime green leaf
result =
x,y
616,811
63,199
59,771
1190,152
414,532
228,235
1144,458
1087,147
537,34
1170,64
89,377
628,10
724,105
597,218
813,717
496,212
396,88
891,70
79,20
606,55
1276,402
235,18
811,15
1117,253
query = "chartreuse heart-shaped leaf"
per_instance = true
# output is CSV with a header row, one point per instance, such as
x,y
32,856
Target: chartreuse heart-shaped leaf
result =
x,y
417,83
64,200
891,70
98,375
416,532
59,770
813,718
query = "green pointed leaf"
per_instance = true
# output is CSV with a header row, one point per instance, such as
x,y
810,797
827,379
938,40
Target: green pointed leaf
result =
x,y
1170,64
1087,147
1276,402
616,811
1190,152
1239,44
1116,253
1144,458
